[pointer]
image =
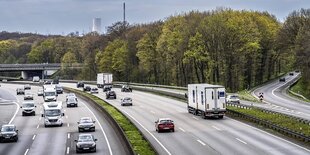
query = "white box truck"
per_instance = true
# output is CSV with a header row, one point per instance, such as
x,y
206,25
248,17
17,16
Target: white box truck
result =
x,y
206,100
104,79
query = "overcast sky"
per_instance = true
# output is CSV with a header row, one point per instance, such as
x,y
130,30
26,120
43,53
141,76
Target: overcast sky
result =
x,y
65,16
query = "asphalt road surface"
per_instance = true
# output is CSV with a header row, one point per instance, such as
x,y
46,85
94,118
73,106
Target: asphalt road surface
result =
x,y
194,135
275,98
35,139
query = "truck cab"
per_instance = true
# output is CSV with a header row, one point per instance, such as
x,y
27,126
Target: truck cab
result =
x,y
52,114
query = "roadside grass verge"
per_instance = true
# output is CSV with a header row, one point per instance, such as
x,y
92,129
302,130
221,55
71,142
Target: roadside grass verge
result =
x,y
297,88
138,142
246,95
281,120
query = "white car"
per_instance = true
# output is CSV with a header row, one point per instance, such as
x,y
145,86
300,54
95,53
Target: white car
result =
x,y
233,99
94,90
126,101
28,96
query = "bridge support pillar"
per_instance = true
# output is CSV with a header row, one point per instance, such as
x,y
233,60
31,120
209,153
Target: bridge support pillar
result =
x,y
24,75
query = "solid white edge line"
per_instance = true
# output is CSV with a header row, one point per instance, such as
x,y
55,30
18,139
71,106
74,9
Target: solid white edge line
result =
x,y
241,141
182,129
68,135
68,150
148,132
40,118
271,135
26,152
38,126
105,136
17,109
216,128
34,136
202,143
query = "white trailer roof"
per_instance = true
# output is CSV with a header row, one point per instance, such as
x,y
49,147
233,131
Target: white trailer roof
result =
x,y
205,85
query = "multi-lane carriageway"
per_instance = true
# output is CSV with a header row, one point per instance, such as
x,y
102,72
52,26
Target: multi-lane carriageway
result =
x,y
193,135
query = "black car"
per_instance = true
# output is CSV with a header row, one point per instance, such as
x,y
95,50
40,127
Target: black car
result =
x,y
87,88
126,88
86,124
291,74
85,143
59,89
8,133
20,91
282,79
48,82
107,88
110,94
80,84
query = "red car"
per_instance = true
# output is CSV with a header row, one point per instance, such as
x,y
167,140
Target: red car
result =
x,y
164,124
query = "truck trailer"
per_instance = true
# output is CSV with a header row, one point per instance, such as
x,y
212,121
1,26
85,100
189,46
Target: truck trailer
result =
x,y
104,79
206,100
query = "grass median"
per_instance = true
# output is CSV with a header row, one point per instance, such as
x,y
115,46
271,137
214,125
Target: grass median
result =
x,y
276,118
138,142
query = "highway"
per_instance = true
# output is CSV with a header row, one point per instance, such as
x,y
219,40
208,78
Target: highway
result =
x,y
275,98
35,139
193,134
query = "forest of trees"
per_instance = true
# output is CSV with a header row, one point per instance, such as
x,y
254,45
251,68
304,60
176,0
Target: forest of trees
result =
x,y
237,49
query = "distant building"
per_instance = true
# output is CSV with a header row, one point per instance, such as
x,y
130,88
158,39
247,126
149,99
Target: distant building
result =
x,y
96,25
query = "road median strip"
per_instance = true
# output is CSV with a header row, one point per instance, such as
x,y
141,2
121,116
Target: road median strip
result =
x,y
138,142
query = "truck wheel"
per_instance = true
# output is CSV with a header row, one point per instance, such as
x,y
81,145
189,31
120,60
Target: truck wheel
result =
x,y
221,117
203,116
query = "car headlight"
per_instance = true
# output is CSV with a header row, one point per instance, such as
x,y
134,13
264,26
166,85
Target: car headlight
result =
x,y
46,120
78,145
14,134
93,145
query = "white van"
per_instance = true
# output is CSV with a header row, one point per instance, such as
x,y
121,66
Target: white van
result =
x,y
52,113
36,79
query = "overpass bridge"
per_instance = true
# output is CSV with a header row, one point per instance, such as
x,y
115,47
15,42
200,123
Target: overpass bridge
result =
x,y
38,69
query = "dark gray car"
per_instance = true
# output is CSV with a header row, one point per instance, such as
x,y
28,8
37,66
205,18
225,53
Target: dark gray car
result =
x,y
85,143
8,133
86,124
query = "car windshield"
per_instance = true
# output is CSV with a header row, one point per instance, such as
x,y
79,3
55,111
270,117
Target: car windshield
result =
x,y
54,112
71,99
28,105
7,129
50,93
29,94
165,121
85,138
234,97
94,89
86,121
127,99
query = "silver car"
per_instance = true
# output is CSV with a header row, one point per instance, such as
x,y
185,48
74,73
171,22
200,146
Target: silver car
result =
x,y
72,101
126,101
28,108
86,124
233,99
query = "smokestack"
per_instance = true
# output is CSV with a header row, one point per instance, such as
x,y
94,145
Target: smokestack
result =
x,y
124,20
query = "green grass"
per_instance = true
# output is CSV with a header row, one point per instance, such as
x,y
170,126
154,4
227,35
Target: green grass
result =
x,y
297,88
246,95
139,144
279,119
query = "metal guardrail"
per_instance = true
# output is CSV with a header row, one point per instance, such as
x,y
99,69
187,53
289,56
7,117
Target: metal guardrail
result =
x,y
270,125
